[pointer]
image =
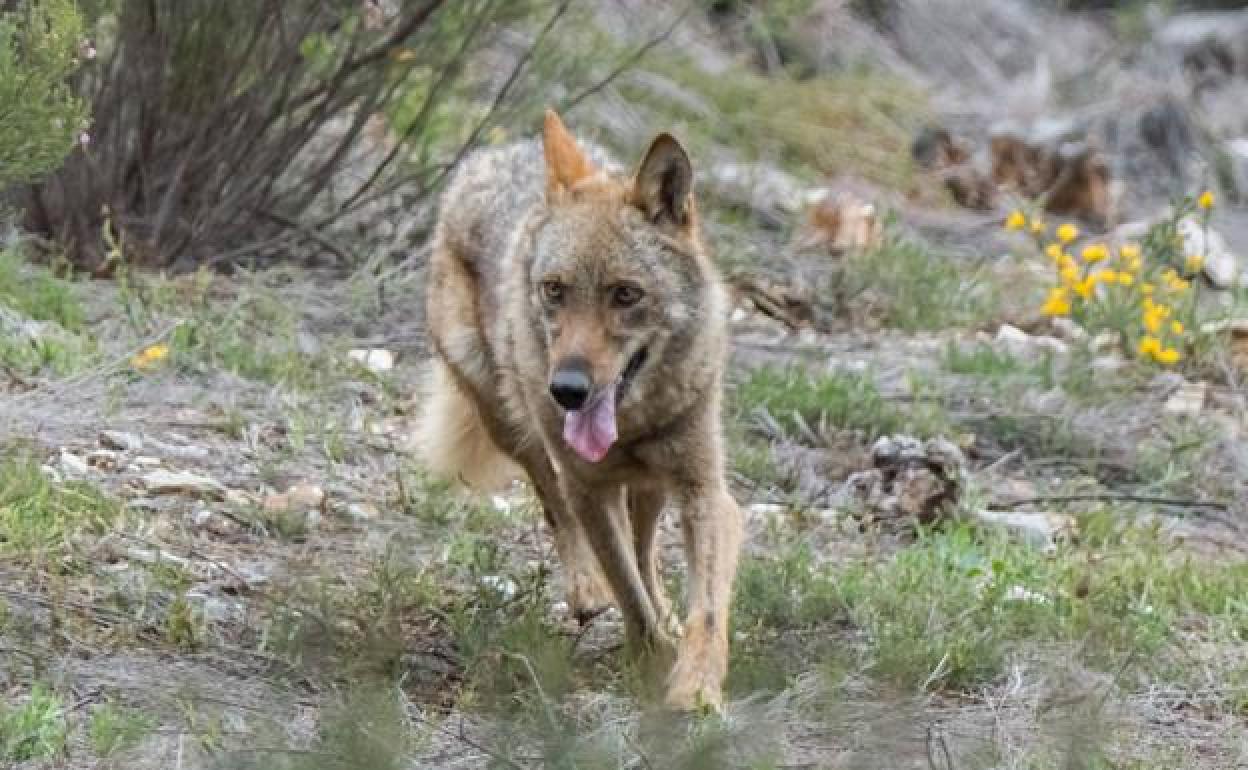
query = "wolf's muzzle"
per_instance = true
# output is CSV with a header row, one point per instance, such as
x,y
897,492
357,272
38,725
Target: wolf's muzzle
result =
x,y
571,384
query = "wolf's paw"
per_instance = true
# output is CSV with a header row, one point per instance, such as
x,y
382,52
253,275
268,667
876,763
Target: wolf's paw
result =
x,y
588,595
694,685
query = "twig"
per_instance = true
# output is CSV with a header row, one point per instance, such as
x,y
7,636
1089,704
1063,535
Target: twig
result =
x,y
629,61
1113,498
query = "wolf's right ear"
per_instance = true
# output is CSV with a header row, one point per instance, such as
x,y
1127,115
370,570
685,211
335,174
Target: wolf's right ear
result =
x,y
663,184
566,164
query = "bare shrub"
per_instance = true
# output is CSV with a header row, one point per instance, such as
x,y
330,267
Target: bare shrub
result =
x,y
221,127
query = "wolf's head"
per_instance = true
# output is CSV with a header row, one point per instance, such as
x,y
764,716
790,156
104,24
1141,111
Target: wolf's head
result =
x,y
616,279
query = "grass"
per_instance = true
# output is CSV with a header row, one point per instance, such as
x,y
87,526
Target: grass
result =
x,y
798,400
39,518
35,294
813,125
36,729
914,288
950,611
113,729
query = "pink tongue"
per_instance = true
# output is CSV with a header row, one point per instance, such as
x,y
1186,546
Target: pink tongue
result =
x,y
591,431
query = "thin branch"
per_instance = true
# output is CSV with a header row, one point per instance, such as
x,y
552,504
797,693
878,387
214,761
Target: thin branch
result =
x,y
1113,498
630,60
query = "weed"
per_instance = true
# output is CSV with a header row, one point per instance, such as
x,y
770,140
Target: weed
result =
x,y
800,401
917,289
116,728
34,730
35,293
38,518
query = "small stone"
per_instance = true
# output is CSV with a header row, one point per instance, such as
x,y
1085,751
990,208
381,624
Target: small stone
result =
x,y
104,459
1039,529
215,523
51,474
163,482
363,511
504,586
177,451
144,461
73,465
238,498
1017,593
1109,363
1221,265
1068,329
299,497
376,360
1188,400
121,441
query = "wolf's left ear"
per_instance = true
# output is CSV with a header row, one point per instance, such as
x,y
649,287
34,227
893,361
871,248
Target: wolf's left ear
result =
x,y
663,184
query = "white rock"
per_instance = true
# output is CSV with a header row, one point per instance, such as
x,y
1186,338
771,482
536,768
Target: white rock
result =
x,y
1188,400
378,360
299,497
1221,265
1068,329
121,441
73,465
1017,593
504,586
1040,529
363,511
163,482
51,474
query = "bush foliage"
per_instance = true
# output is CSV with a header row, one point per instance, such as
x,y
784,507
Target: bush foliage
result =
x,y
41,45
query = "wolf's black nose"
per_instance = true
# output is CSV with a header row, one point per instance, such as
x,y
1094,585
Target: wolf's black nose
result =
x,y
571,384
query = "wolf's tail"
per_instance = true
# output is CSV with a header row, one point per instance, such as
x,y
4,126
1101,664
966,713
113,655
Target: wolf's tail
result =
x,y
451,440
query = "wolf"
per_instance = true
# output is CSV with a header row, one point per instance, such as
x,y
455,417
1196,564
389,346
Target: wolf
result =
x,y
578,328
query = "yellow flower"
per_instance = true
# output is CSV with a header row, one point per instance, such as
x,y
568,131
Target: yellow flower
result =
x,y
1130,252
1147,289
1057,302
1107,276
1206,200
1054,251
1017,220
1069,275
1195,262
1067,233
1126,279
1167,356
1149,345
1037,226
1095,253
1085,287
150,356
1176,327
1067,262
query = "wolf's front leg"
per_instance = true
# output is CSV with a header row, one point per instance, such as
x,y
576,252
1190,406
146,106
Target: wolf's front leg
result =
x,y
587,589
605,520
712,527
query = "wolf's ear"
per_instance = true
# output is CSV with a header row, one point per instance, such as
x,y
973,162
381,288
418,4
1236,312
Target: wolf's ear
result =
x,y
565,163
663,184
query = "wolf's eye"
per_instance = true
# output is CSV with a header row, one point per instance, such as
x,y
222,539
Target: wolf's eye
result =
x,y
626,295
552,292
